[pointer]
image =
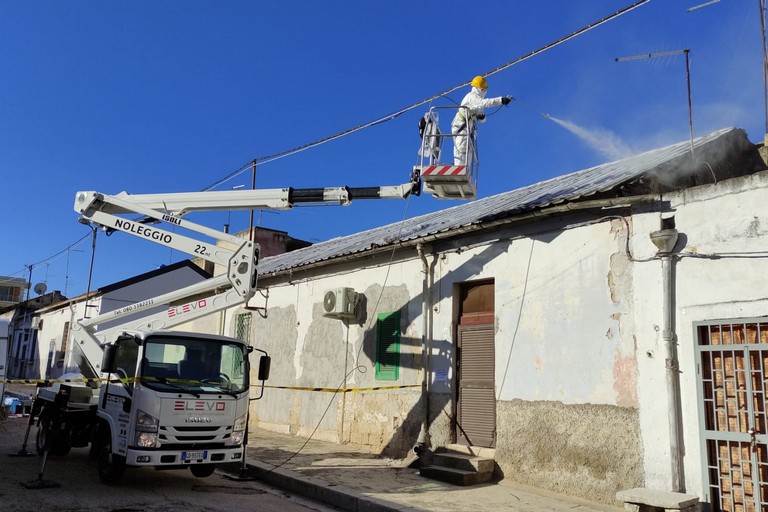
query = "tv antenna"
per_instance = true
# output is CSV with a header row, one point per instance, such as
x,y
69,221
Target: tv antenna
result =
x,y
702,5
761,6
685,52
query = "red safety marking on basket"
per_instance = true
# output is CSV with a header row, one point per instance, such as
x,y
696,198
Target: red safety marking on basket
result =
x,y
442,170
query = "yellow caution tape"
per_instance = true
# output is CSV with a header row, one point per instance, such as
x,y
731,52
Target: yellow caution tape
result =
x,y
49,381
130,380
343,390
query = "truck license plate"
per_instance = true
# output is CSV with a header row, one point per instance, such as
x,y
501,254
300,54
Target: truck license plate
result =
x,y
194,455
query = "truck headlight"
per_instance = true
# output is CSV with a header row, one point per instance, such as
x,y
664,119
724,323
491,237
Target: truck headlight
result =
x,y
238,431
146,430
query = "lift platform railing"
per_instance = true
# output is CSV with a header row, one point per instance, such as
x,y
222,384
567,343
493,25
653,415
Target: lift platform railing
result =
x,y
448,180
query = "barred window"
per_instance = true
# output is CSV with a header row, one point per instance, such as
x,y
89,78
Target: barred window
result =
x,y
243,327
64,340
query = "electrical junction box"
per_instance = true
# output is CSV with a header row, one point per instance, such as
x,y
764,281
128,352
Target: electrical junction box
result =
x,y
340,303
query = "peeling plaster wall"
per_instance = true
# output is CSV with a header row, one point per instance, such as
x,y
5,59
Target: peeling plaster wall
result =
x,y
566,374
278,335
581,450
558,337
311,350
728,218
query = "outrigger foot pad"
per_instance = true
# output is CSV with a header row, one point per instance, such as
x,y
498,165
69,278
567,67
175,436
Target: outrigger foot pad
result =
x,y
40,484
22,453
240,476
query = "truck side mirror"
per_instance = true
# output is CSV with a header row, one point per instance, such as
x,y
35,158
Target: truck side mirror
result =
x,y
108,360
264,363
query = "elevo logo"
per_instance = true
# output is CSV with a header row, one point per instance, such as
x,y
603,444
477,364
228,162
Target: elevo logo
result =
x,y
187,308
199,405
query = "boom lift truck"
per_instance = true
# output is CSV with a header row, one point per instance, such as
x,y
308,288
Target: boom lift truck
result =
x,y
171,399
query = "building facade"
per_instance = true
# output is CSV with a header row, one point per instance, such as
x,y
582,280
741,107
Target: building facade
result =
x,y
600,331
22,321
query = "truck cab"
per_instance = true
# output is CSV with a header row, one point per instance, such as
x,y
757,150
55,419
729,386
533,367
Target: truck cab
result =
x,y
173,400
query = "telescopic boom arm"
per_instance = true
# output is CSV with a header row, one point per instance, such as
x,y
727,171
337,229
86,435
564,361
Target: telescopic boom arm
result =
x,y
235,287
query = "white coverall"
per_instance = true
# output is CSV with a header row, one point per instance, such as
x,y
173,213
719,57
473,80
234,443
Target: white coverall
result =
x,y
461,128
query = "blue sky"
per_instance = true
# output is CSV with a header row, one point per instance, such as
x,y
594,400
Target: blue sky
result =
x,y
152,97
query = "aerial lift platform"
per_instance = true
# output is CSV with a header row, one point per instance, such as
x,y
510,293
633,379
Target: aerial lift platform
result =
x,y
442,179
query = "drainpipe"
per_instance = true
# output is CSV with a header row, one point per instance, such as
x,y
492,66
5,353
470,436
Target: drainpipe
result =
x,y
665,240
426,292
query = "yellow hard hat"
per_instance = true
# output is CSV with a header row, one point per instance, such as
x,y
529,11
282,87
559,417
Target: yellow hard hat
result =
x,y
479,82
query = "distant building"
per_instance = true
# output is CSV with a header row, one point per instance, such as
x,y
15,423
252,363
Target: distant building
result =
x,y
271,242
22,322
54,323
12,290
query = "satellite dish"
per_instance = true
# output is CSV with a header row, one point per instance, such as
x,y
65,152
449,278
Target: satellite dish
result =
x,y
40,288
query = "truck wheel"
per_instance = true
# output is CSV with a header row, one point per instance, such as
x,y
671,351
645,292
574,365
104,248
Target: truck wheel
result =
x,y
43,438
202,470
111,466
48,439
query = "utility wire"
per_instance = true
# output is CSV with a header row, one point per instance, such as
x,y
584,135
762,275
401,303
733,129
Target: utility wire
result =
x,y
275,156
51,258
358,366
282,154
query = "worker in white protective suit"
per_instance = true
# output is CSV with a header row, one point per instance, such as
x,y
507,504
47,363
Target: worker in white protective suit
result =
x,y
471,111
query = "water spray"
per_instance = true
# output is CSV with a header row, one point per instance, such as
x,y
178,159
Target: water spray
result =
x,y
603,141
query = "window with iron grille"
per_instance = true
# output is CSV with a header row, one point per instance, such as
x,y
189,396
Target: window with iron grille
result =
x,y
388,346
64,339
243,327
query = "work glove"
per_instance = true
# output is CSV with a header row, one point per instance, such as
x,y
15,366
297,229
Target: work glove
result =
x,y
506,99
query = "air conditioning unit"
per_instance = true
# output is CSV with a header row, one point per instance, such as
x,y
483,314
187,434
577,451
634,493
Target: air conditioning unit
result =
x,y
340,303
37,323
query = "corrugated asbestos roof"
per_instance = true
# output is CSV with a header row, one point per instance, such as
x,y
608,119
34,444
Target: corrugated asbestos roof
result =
x,y
565,188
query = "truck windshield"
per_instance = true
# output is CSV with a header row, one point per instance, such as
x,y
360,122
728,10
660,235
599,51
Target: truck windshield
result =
x,y
195,365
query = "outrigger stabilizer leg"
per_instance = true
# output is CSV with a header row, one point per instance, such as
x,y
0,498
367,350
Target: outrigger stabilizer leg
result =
x,y
41,483
23,452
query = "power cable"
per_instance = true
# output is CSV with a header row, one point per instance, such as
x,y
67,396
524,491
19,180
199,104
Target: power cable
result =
x,y
275,156
51,258
288,152
358,367
312,434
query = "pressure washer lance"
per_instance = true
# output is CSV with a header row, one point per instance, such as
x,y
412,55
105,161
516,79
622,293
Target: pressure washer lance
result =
x,y
531,107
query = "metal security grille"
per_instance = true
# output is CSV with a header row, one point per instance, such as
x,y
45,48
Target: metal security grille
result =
x,y
732,388
243,327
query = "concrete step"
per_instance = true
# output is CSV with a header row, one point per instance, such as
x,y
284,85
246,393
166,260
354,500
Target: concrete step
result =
x,y
479,451
463,461
455,476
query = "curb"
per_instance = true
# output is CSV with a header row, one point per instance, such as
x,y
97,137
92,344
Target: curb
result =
x,y
322,491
